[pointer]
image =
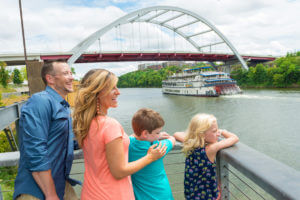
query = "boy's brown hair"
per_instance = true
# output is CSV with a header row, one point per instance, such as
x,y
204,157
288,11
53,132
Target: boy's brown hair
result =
x,y
146,119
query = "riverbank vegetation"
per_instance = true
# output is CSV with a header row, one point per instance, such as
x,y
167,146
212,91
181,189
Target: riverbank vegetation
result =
x,y
150,78
284,72
146,78
7,174
16,77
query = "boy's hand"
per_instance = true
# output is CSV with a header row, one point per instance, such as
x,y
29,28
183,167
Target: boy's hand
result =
x,y
156,153
163,135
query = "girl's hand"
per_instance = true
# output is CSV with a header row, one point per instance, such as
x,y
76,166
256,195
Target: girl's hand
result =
x,y
156,153
221,132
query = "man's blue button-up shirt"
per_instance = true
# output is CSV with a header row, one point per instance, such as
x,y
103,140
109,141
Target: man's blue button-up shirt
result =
x,y
46,142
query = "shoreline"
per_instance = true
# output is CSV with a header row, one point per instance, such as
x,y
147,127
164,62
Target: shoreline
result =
x,y
242,87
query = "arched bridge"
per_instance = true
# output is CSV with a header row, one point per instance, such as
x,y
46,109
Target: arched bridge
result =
x,y
160,27
154,15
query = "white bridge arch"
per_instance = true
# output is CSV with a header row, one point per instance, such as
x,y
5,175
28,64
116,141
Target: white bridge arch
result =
x,y
137,16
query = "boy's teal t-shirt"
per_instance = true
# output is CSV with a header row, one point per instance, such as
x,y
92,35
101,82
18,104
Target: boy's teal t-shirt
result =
x,y
151,182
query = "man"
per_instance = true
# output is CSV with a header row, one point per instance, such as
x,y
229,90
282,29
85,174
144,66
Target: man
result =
x,y
46,139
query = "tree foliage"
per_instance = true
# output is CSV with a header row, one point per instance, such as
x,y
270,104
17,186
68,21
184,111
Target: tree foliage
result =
x,y
146,78
1,103
17,76
4,74
73,70
23,73
283,72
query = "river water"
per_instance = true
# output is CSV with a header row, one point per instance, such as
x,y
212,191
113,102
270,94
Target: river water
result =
x,y
266,120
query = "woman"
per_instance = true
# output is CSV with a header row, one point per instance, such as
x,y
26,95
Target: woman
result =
x,y
103,140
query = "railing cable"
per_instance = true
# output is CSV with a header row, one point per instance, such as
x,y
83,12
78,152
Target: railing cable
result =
x,y
231,194
178,192
175,183
7,191
175,173
174,163
239,190
5,181
243,182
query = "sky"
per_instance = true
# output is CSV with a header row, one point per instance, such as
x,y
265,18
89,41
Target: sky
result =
x,y
257,27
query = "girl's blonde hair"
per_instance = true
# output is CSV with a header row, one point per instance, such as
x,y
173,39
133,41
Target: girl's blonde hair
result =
x,y
94,82
195,134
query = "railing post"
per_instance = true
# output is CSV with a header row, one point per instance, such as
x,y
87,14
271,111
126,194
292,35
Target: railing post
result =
x,y
1,198
17,124
17,133
223,177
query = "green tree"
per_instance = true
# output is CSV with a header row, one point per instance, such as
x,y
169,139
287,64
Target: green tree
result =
x,y
17,77
146,78
251,76
73,70
270,74
23,73
1,103
240,75
260,74
4,74
278,80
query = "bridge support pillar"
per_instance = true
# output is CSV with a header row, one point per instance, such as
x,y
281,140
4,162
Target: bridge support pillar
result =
x,y
35,82
224,68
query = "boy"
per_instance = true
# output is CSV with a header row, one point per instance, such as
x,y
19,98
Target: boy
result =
x,y
150,182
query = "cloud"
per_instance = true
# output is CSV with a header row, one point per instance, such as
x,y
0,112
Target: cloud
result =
x,y
253,26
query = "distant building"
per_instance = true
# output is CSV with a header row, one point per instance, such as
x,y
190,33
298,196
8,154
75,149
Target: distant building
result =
x,y
158,66
154,66
179,63
173,63
142,66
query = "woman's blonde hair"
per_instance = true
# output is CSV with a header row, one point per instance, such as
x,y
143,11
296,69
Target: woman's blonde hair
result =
x,y
195,134
94,82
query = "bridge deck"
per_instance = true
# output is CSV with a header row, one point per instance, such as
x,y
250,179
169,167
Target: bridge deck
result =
x,y
90,57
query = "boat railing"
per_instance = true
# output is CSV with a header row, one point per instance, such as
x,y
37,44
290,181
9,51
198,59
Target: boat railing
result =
x,y
243,172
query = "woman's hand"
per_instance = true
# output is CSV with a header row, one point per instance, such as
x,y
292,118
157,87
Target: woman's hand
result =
x,y
155,152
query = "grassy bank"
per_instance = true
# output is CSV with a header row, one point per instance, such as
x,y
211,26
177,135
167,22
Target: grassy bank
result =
x,y
7,174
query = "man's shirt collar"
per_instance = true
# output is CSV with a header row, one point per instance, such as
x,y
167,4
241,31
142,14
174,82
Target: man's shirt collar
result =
x,y
56,96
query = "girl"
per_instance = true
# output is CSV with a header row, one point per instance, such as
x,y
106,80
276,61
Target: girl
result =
x,y
200,144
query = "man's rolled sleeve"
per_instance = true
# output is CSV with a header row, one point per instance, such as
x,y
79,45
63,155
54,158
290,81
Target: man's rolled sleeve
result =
x,y
36,121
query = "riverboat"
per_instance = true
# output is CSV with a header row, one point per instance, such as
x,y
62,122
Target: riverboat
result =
x,y
202,81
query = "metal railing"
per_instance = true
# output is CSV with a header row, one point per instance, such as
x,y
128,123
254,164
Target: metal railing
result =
x,y
243,172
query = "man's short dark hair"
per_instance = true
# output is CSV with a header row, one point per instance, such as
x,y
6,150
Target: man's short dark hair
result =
x,y
48,68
